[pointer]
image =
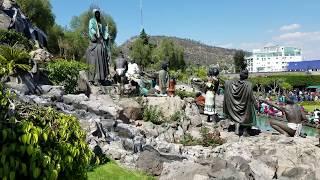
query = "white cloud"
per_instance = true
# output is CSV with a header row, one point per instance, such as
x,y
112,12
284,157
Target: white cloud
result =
x,y
228,45
299,36
290,27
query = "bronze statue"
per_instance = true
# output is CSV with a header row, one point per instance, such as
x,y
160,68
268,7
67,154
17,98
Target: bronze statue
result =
x,y
211,88
164,79
239,103
98,52
294,116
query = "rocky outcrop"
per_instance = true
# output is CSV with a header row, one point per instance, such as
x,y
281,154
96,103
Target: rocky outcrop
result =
x,y
41,55
131,109
156,149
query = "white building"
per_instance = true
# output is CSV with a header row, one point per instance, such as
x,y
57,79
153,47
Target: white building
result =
x,y
272,59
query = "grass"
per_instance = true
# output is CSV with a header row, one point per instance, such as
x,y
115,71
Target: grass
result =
x,y
310,108
112,171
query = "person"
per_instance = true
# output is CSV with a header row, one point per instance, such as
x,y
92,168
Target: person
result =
x,y
294,116
163,79
98,52
211,88
121,68
239,103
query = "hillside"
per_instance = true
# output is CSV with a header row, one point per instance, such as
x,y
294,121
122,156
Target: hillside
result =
x,y
195,52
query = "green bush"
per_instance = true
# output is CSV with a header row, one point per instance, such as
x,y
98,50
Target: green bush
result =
x,y
189,140
13,60
207,139
176,116
185,94
40,143
153,114
13,38
66,73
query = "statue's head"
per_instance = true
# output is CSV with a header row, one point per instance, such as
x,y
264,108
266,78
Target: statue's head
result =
x,y
164,66
96,13
244,74
213,71
289,101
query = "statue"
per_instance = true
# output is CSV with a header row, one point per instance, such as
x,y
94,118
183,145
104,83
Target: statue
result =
x,y
98,52
211,88
121,68
163,79
239,103
294,116
172,87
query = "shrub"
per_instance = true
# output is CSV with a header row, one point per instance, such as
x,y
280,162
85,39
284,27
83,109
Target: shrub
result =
x,y
184,94
13,38
207,139
153,114
41,143
176,116
210,138
13,60
189,140
66,73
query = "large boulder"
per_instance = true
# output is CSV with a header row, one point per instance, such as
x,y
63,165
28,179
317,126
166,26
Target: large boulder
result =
x,y
41,55
131,108
168,105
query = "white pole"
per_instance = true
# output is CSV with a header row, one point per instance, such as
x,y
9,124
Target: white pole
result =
x,y
141,15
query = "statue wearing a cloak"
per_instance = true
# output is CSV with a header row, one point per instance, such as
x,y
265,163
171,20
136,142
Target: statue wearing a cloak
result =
x,y
98,52
239,102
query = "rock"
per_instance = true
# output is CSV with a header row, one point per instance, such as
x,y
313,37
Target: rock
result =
x,y
132,110
52,92
83,83
168,105
227,174
126,131
151,161
74,99
178,135
183,87
4,20
184,170
192,113
21,88
167,135
41,55
261,170
185,124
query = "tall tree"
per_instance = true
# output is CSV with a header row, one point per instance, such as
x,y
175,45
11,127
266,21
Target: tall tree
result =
x,y
239,60
55,38
39,12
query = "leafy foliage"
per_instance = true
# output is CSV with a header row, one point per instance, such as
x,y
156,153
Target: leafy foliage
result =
x,y
207,139
239,60
13,38
176,116
65,73
185,94
153,114
141,53
55,39
40,143
13,60
39,12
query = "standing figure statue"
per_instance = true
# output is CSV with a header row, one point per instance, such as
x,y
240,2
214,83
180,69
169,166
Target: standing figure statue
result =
x,y
98,52
239,103
163,79
211,88
294,116
121,68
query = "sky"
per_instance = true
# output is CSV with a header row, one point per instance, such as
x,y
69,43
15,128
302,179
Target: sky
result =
x,y
239,24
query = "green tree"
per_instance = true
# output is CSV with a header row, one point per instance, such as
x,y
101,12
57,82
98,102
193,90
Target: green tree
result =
x,y
144,37
55,38
140,52
239,60
39,12
285,87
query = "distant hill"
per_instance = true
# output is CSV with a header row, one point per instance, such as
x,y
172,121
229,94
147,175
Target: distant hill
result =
x,y
195,52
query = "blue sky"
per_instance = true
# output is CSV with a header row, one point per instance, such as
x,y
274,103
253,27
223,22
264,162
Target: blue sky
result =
x,y
241,24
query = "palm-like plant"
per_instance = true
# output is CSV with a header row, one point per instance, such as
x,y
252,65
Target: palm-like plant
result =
x,y
13,60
